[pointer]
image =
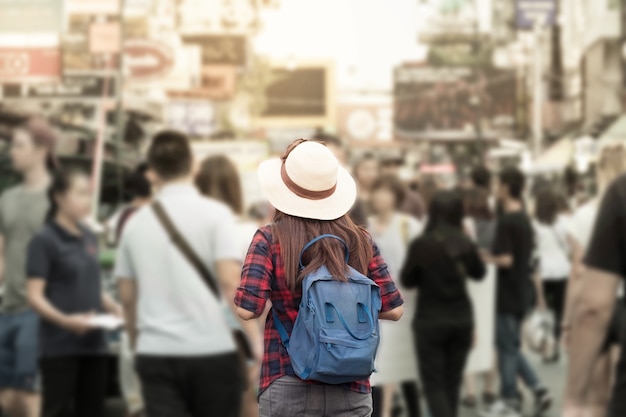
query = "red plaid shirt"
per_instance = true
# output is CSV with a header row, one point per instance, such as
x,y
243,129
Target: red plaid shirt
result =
x,y
263,278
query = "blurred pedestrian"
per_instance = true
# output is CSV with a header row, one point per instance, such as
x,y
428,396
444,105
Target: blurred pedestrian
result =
x,y
312,194
603,377
413,203
218,179
141,192
482,179
65,289
395,364
186,355
480,223
554,250
366,172
512,254
438,264
22,212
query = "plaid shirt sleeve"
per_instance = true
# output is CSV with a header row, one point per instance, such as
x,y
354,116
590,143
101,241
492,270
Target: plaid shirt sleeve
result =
x,y
256,275
379,273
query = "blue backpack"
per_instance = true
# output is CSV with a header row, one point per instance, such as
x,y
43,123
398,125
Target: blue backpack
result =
x,y
335,337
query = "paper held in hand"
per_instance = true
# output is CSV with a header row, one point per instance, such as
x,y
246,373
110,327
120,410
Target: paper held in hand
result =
x,y
106,321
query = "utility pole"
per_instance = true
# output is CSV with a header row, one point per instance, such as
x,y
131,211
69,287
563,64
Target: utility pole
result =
x,y
120,122
537,124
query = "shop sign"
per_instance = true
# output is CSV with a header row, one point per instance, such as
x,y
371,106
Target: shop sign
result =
x,y
529,13
147,59
193,117
93,7
74,87
31,16
221,49
29,64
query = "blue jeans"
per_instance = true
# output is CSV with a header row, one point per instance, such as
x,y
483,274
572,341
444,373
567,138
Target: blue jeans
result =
x,y
511,361
19,351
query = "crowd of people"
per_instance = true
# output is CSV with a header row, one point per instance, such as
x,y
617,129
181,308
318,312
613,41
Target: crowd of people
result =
x,y
213,296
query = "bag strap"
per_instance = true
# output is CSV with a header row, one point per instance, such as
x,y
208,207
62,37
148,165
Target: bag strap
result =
x,y
327,236
185,248
282,332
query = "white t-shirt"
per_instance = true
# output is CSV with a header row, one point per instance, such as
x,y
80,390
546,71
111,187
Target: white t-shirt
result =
x,y
245,234
553,249
177,315
582,222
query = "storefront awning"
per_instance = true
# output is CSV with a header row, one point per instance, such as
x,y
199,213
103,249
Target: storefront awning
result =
x,y
555,158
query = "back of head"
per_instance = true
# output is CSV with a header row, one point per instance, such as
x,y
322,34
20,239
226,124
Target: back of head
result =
x,y
476,202
393,184
547,206
138,183
170,155
218,178
481,177
445,211
44,136
514,180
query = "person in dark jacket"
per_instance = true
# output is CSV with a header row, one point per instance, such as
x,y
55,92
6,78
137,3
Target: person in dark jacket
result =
x,y
438,263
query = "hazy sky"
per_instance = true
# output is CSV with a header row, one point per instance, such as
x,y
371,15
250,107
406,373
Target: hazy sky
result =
x,y
366,38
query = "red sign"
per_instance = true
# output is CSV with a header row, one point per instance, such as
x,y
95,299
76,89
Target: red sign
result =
x,y
438,169
29,64
147,60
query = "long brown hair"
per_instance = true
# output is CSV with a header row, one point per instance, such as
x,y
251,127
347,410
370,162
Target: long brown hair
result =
x,y
218,178
293,233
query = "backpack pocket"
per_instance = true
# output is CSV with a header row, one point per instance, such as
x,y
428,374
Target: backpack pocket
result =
x,y
342,355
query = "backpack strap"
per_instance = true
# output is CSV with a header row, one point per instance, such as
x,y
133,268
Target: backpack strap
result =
x,y
282,332
317,239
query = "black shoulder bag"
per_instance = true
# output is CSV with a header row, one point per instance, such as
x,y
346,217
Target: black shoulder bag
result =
x,y
243,344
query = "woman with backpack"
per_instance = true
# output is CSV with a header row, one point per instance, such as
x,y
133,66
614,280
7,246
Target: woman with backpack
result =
x,y
396,366
320,340
437,264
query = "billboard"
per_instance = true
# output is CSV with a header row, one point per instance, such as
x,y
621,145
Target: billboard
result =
x,y
452,102
193,117
300,96
29,64
31,16
529,13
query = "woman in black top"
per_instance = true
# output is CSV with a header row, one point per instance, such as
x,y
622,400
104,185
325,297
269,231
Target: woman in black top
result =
x,y
64,288
438,263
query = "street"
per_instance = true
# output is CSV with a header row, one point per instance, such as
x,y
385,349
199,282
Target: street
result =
x,y
552,375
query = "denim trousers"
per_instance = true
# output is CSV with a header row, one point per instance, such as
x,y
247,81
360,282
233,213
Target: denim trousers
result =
x,y
511,361
290,397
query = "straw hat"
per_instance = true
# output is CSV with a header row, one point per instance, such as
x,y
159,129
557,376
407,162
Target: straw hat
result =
x,y
308,182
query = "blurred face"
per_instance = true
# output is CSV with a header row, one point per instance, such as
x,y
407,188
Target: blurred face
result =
x,y
76,202
367,173
383,200
390,169
24,153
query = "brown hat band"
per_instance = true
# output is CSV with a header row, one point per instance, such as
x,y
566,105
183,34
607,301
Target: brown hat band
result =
x,y
303,192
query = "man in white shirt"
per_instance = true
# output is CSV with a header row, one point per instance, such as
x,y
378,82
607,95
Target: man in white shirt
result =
x,y
186,356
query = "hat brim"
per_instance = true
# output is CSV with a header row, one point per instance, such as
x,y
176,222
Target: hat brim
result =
x,y
284,200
